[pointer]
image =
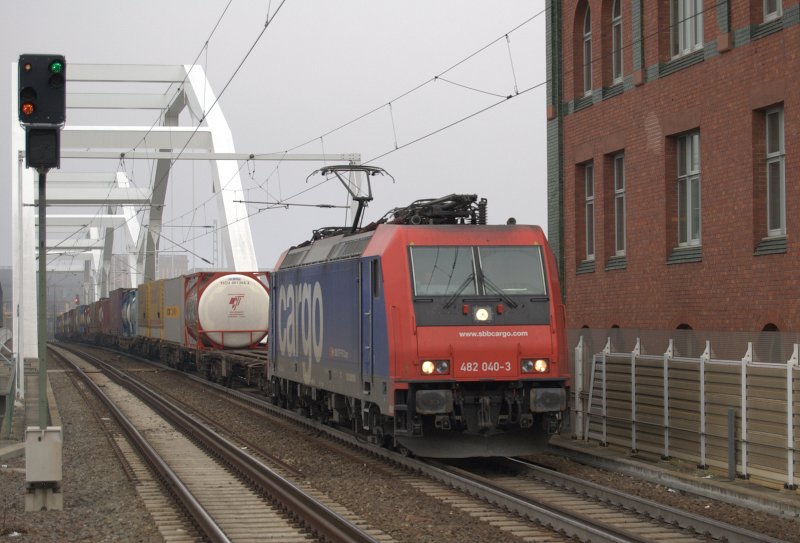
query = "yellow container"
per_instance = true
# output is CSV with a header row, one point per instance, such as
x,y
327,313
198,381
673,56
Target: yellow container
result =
x,y
151,309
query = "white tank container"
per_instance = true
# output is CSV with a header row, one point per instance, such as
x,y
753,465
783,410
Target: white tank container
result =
x,y
229,311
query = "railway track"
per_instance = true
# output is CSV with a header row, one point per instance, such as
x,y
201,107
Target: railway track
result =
x,y
564,505
227,494
532,504
567,506
587,510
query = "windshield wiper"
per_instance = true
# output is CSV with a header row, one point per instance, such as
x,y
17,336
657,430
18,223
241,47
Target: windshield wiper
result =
x,y
498,290
451,299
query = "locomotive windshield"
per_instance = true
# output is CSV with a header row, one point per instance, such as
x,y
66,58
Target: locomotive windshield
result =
x,y
443,271
448,271
515,270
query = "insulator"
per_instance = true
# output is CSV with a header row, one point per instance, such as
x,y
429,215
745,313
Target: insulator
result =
x,y
482,215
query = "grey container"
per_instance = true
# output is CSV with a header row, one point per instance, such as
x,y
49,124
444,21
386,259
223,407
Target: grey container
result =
x,y
174,318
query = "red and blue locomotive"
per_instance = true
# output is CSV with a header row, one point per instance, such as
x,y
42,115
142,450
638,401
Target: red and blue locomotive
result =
x,y
429,330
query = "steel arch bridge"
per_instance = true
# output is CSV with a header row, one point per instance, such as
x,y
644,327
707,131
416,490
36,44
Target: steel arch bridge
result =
x,y
84,242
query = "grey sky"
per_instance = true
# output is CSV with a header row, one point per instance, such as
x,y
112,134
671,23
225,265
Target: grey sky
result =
x,y
319,65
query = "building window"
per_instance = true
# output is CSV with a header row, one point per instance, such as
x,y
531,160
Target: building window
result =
x,y
686,26
587,52
616,41
619,204
772,9
589,206
689,189
776,178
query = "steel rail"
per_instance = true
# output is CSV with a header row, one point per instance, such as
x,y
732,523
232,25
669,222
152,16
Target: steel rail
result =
x,y
583,528
196,511
315,516
578,526
660,511
561,520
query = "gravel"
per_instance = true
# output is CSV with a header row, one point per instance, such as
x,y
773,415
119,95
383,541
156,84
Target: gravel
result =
x,y
370,489
783,528
101,504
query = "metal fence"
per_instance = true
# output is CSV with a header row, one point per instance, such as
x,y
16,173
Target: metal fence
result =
x,y
724,401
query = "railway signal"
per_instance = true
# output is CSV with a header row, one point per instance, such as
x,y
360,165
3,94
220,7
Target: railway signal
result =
x,y
42,108
42,91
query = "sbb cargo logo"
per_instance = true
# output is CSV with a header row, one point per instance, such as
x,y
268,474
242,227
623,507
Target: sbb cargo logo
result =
x,y
299,321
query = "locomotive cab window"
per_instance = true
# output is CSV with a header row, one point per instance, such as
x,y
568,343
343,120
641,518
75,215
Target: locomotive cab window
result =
x,y
481,271
443,271
514,270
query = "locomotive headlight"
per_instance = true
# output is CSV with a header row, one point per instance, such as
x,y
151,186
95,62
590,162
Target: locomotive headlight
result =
x,y
530,365
482,314
439,367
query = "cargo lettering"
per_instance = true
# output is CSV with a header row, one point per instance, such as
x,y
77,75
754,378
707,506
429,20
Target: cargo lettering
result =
x,y
300,323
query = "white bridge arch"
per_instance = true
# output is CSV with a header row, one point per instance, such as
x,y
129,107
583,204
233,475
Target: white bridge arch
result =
x,y
208,138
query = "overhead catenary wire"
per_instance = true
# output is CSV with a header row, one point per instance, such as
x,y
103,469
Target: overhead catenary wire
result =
x,y
282,201
241,63
389,104
205,113
161,115
203,49
321,138
398,147
507,37
424,83
283,204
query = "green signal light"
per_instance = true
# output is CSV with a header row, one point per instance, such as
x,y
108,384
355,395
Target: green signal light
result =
x,y
56,67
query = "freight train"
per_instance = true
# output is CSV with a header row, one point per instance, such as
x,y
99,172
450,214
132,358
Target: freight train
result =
x,y
213,323
428,331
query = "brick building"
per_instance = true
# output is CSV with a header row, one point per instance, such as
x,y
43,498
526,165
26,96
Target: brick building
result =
x,y
673,167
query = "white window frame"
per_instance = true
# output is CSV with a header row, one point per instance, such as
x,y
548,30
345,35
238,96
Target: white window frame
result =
x,y
620,215
688,190
686,26
776,163
589,210
587,52
616,42
772,12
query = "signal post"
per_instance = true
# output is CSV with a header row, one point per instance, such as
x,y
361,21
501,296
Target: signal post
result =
x,y
42,113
